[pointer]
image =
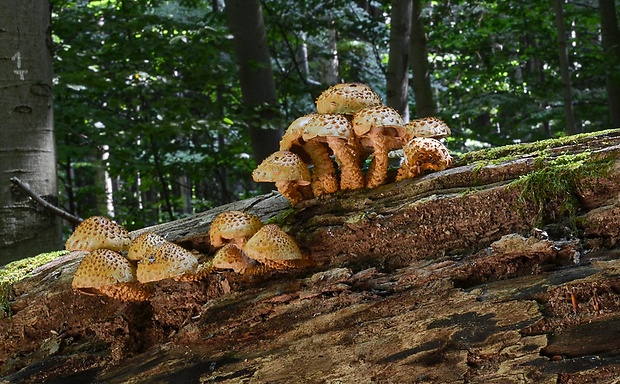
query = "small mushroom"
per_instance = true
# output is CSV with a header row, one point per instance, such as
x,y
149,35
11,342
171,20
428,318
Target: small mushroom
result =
x,y
346,98
432,127
232,257
168,261
336,131
274,248
289,172
144,245
324,179
380,129
423,154
233,227
107,272
98,232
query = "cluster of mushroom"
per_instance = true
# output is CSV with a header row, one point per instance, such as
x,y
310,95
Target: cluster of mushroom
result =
x,y
352,125
118,267
246,245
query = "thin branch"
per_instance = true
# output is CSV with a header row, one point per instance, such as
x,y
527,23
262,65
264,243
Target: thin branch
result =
x,y
55,210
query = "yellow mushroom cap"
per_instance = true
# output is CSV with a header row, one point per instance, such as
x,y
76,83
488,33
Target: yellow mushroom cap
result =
x,y
144,245
282,166
328,125
232,257
98,232
103,267
231,225
427,154
346,98
378,119
168,260
293,133
271,243
427,127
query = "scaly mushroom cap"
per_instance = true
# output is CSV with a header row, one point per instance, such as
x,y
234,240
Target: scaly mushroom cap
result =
x,y
107,272
282,166
169,260
380,120
98,232
328,125
233,226
293,134
422,154
144,245
273,247
346,98
232,257
432,127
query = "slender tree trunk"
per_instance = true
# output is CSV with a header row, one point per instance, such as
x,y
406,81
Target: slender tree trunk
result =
x,y
27,149
245,19
398,62
331,75
569,113
611,45
421,83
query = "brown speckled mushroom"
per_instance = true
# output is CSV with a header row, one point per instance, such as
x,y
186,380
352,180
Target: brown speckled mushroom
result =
x,y
432,127
144,245
335,130
423,154
379,129
346,98
106,272
233,227
289,172
168,261
324,179
232,257
274,248
98,232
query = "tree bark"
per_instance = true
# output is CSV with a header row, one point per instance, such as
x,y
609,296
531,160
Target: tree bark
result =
x,y
611,44
27,149
446,278
421,81
397,87
569,112
245,19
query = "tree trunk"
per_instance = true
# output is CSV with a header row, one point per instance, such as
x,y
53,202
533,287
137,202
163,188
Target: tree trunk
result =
x,y
421,81
456,276
569,113
611,44
245,19
397,87
26,135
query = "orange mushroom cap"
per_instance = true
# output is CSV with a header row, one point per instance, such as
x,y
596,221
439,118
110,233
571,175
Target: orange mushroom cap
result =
x,y
272,246
282,166
380,120
232,257
346,98
144,245
423,154
98,232
169,260
432,127
233,226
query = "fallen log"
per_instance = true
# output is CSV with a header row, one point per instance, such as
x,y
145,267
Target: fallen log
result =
x,y
502,268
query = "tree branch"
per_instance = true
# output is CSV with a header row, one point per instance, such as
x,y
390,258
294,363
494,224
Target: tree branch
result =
x,y
55,210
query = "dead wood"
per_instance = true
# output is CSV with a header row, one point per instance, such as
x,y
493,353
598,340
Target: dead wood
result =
x,y
454,277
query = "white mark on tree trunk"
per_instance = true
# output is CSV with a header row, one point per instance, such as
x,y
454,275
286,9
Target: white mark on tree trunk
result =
x,y
17,57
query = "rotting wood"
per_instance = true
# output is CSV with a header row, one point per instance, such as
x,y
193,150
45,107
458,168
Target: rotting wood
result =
x,y
439,279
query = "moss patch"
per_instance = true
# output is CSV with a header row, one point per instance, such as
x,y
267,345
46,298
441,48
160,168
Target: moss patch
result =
x,y
552,186
16,271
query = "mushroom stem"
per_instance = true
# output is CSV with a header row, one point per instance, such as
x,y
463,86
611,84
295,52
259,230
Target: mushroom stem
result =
x,y
290,190
351,176
324,178
377,172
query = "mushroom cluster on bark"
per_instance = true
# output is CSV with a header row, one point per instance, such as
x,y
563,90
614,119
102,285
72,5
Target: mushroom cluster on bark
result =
x,y
351,128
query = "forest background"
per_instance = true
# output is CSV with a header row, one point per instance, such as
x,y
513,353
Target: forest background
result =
x,y
152,115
